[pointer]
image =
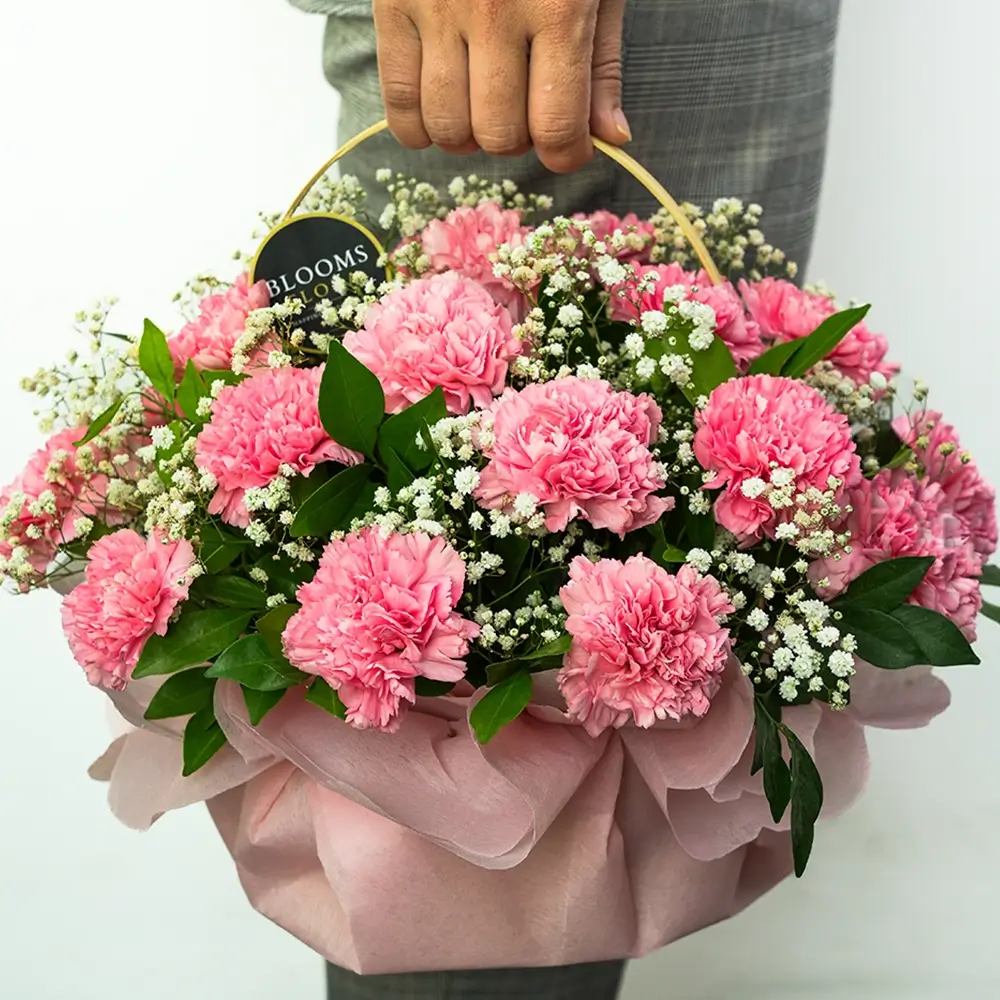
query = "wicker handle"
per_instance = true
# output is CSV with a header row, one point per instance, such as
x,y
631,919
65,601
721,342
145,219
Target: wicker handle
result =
x,y
639,172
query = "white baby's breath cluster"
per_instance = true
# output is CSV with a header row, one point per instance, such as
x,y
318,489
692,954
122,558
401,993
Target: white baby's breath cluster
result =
x,y
799,648
664,342
864,405
357,293
808,517
410,209
474,190
89,380
731,234
173,493
535,624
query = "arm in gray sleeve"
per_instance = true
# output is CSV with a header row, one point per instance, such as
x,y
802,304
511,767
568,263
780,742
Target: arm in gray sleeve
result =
x,y
338,8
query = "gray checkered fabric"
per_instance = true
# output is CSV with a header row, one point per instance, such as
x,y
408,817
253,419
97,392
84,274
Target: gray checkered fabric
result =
x,y
597,981
725,97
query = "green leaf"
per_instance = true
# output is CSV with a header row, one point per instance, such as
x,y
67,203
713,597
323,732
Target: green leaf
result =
x,y
399,432
886,585
939,638
768,756
221,375
822,341
272,625
100,422
321,694
192,640
900,459
700,529
426,688
250,662
155,360
513,550
671,554
398,474
191,390
557,648
203,739
231,591
363,505
807,800
220,548
351,401
285,575
774,359
991,611
502,705
303,487
991,576
882,639
662,551
710,368
547,657
327,508
259,703
183,694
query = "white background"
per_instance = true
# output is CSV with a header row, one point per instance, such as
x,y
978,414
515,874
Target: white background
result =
x,y
139,139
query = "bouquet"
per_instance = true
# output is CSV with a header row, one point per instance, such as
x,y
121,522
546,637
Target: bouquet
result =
x,y
546,573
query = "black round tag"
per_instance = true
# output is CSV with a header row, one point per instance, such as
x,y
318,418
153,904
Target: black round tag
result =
x,y
300,258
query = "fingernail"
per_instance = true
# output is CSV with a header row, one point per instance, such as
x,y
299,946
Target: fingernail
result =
x,y
621,123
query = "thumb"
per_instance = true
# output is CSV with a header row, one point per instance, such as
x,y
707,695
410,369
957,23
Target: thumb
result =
x,y
607,120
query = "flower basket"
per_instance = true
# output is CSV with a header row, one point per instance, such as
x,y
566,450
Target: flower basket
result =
x,y
526,608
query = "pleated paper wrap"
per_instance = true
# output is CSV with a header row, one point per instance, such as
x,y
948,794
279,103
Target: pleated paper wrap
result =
x,y
424,851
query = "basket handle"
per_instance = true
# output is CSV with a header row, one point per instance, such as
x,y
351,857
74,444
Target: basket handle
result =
x,y
639,172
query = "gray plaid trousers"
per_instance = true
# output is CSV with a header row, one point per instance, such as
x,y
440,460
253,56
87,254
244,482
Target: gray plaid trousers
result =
x,y
725,98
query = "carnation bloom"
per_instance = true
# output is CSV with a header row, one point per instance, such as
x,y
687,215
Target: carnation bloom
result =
x,y
939,451
579,448
208,340
444,330
40,507
466,241
895,515
740,334
132,587
378,614
645,642
265,422
754,426
785,312
605,224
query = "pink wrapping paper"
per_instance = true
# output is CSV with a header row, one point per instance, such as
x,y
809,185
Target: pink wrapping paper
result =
x,y
424,851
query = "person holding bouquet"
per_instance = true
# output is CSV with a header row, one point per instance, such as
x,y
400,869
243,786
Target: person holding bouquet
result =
x,y
712,97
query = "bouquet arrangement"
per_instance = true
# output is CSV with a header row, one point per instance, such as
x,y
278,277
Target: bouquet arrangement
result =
x,y
553,575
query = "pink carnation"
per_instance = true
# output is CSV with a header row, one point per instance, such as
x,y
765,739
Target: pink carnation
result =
x,y
894,515
378,614
753,425
639,234
785,312
645,642
579,448
266,421
940,452
740,334
208,340
444,330
133,585
467,240
53,469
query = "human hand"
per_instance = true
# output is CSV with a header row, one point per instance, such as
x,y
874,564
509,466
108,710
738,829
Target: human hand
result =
x,y
503,75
